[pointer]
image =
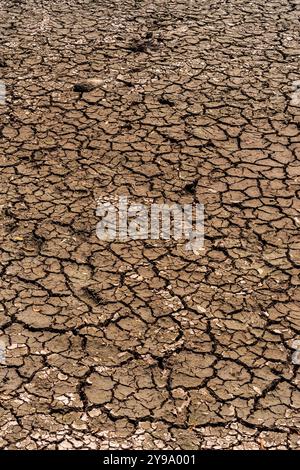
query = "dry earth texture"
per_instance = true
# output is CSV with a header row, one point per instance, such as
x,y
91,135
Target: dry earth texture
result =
x,y
144,345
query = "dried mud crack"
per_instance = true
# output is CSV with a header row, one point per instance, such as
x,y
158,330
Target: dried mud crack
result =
x,y
143,345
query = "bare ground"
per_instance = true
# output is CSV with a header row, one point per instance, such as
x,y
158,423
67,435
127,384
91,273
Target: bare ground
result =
x,y
142,344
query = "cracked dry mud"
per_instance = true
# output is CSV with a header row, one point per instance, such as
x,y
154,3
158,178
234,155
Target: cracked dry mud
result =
x,y
143,345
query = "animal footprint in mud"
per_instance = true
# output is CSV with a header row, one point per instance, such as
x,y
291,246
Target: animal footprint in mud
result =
x,y
87,85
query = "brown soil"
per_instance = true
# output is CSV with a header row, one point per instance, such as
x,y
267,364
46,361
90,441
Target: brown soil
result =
x,y
142,344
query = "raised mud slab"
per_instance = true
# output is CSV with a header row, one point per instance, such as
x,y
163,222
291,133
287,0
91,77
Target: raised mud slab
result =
x,y
143,345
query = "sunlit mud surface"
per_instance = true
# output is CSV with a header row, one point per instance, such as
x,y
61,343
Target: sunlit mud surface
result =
x,y
142,344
